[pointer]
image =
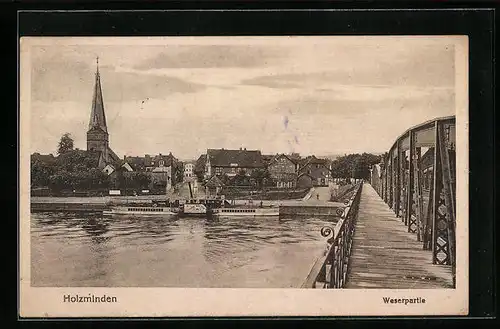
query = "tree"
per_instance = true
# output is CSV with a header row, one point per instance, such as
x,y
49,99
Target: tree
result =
x,y
177,172
76,160
354,165
225,179
259,175
61,180
77,169
65,144
138,180
241,178
42,167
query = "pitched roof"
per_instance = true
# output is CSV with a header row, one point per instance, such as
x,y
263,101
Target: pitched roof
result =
x,y
93,157
214,181
315,160
319,172
312,160
278,156
45,158
114,158
295,157
243,158
169,160
97,115
137,163
267,158
200,163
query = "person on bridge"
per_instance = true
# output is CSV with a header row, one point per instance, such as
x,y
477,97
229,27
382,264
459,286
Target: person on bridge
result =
x,y
317,196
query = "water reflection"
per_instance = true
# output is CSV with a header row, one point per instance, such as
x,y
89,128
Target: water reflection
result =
x,y
96,228
76,250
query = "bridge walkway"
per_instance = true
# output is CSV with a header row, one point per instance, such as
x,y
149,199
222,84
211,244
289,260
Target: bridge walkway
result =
x,y
385,256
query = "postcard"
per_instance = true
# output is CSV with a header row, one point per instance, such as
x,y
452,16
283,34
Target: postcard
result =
x,y
243,176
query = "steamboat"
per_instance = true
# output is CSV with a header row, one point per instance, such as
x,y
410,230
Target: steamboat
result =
x,y
246,212
156,208
140,211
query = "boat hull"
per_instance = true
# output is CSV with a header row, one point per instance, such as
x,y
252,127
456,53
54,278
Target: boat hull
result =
x,y
140,211
242,212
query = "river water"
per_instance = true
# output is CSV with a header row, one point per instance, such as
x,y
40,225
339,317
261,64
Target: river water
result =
x,y
91,250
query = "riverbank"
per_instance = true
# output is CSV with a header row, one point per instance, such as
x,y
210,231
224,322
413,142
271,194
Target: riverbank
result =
x,y
98,199
89,204
314,203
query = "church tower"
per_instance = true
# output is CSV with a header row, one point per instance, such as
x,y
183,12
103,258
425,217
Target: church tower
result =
x,y
97,135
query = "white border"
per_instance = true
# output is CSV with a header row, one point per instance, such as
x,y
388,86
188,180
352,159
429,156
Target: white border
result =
x,y
156,302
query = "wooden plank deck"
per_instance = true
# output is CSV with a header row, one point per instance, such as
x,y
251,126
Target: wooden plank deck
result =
x,y
385,256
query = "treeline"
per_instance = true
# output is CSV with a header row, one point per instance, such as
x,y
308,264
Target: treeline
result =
x,y
70,170
75,169
354,165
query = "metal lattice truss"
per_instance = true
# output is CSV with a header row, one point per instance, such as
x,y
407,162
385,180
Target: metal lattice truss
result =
x,y
418,184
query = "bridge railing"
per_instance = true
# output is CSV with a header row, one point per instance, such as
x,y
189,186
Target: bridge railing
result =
x,y
330,269
417,180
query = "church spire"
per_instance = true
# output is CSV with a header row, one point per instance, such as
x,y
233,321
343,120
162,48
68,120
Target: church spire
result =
x,y
97,116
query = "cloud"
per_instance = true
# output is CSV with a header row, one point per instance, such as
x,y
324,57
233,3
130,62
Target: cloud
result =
x,y
362,101
211,56
424,67
54,81
311,97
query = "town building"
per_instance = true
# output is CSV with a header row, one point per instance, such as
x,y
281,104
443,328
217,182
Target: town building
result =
x,y
189,174
232,162
317,169
283,171
199,167
267,158
213,186
164,170
162,177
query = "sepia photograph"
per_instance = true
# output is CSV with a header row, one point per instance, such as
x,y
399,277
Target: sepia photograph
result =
x,y
233,170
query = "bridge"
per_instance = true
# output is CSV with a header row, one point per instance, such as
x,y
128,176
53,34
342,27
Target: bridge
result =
x,y
397,229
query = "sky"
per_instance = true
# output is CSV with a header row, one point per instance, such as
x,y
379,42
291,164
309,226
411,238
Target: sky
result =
x,y
311,95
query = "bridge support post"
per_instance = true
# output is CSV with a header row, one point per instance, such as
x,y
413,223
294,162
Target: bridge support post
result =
x,y
418,194
443,212
410,211
448,185
389,177
385,179
394,174
403,187
398,179
429,227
